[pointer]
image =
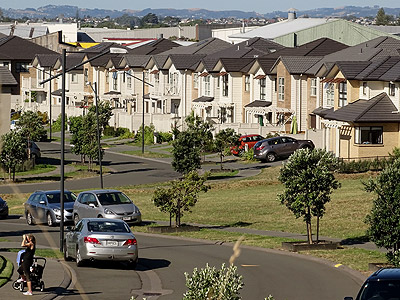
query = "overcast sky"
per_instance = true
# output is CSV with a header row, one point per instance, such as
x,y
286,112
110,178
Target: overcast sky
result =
x,y
260,6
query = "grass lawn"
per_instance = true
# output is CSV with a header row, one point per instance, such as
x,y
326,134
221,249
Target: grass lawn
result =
x,y
6,270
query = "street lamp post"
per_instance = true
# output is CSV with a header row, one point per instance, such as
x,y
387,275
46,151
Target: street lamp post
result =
x,y
63,74
94,89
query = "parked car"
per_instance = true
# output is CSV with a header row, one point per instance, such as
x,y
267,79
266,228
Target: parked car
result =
x,y
3,208
382,284
101,239
34,150
110,204
281,146
249,139
44,207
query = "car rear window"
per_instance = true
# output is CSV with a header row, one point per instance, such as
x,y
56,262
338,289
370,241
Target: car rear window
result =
x,y
107,226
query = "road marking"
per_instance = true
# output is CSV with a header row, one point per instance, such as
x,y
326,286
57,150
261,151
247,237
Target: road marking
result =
x,y
250,265
338,265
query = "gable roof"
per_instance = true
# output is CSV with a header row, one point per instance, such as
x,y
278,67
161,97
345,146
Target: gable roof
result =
x,y
234,64
16,48
377,109
135,61
205,47
154,47
46,60
297,64
6,78
184,61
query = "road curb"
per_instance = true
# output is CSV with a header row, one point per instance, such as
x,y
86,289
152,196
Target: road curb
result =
x,y
139,157
64,284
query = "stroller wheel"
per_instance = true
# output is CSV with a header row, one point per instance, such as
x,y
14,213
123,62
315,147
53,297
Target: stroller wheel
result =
x,y
21,286
41,286
16,285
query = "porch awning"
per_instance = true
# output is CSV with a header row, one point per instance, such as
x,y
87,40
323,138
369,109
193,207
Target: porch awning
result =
x,y
321,111
334,124
204,74
112,93
260,77
203,99
259,103
333,80
58,92
262,110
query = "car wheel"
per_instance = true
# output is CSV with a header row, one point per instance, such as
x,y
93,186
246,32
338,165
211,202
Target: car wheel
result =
x,y
79,260
76,219
50,222
29,218
100,216
132,264
271,157
66,254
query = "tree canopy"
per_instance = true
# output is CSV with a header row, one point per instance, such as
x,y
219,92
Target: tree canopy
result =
x,y
13,151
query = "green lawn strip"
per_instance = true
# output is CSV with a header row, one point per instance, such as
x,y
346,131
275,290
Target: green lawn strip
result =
x,y
47,253
354,258
39,169
6,270
221,175
148,154
4,240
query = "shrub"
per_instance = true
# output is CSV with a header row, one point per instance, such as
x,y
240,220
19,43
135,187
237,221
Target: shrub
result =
x,y
248,156
165,137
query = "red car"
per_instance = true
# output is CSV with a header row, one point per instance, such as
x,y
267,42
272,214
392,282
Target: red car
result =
x,y
249,139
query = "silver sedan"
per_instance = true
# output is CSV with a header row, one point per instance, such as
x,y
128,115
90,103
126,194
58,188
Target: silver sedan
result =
x,y
101,239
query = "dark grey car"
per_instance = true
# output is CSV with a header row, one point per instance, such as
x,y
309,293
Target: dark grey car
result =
x,y
44,207
111,204
280,146
3,208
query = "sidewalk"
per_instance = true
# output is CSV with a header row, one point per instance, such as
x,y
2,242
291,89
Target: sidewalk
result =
x,y
56,276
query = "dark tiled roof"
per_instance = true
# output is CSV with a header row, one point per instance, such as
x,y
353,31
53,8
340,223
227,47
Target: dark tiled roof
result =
x,y
184,61
204,99
74,59
322,112
235,64
393,74
102,60
6,78
137,61
384,67
47,60
160,60
154,47
104,47
378,109
14,47
259,103
266,64
205,47
350,69
299,64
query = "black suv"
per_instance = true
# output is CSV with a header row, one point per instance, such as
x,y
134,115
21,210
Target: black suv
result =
x,y
384,284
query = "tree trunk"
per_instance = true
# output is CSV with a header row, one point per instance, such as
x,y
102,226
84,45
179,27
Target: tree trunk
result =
x,y
9,173
318,229
309,229
13,171
178,214
170,219
221,158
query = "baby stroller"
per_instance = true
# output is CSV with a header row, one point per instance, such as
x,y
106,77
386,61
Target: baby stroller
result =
x,y
36,273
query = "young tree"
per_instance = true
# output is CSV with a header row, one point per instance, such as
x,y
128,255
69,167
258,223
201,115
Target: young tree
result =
x,y
31,124
13,151
105,113
202,131
382,18
223,140
181,196
384,218
309,181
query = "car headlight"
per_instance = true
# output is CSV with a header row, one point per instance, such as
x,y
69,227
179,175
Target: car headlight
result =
x,y
56,210
108,211
137,211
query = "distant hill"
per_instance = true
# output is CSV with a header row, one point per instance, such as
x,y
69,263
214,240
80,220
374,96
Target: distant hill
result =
x,y
52,11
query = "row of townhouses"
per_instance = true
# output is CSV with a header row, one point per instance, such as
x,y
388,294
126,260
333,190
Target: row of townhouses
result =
x,y
344,98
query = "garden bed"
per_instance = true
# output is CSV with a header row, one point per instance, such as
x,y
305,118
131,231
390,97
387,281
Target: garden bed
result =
x,y
304,246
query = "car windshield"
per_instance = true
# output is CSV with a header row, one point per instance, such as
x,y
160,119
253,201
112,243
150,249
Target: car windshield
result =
x,y
107,226
55,198
385,289
113,198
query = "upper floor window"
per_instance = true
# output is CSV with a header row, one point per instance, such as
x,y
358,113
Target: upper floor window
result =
x,y
364,88
40,75
218,82
115,81
157,78
313,87
86,72
196,81
21,67
262,88
207,85
107,76
247,83
392,89
281,88
342,94
330,94
225,86
128,79
74,78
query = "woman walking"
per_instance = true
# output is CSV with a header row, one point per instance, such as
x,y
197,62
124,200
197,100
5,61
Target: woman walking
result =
x,y
29,242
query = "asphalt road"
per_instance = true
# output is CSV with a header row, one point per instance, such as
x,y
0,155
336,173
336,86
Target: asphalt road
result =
x,y
164,260
126,170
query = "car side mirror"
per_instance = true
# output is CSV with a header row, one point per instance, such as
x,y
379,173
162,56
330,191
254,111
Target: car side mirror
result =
x,y
348,298
42,202
92,205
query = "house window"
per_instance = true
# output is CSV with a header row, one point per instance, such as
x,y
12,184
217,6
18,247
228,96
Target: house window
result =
x,y
313,86
281,88
218,82
225,86
364,88
21,67
262,88
330,94
157,79
74,78
129,79
86,72
207,85
342,94
40,75
107,76
196,81
247,83
369,135
275,85
134,105
115,81
392,89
